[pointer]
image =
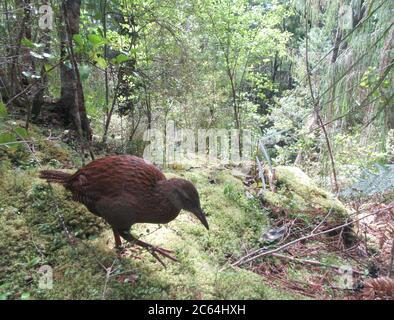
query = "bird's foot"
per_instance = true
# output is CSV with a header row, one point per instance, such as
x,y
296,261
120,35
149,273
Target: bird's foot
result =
x,y
154,251
164,250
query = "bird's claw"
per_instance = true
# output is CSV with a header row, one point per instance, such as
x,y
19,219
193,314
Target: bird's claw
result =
x,y
164,252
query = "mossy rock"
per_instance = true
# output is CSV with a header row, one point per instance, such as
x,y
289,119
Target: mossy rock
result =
x,y
298,195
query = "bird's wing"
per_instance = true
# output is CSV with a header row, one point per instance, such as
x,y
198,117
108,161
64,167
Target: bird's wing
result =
x,y
112,176
83,192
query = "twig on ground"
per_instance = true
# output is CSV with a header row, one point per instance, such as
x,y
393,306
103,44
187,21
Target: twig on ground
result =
x,y
311,262
263,252
109,272
321,222
36,247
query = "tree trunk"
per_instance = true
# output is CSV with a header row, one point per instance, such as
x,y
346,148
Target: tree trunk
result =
x,y
14,72
38,98
234,98
275,67
72,98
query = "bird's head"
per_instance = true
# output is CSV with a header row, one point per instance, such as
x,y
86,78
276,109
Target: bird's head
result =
x,y
184,195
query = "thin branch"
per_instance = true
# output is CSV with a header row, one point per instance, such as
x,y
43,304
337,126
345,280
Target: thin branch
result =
x,y
109,272
262,252
311,262
316,108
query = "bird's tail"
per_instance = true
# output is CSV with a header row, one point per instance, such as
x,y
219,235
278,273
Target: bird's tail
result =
x,y
55,176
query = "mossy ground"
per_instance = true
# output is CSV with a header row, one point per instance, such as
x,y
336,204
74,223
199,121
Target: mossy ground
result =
x,y
32,235
302,198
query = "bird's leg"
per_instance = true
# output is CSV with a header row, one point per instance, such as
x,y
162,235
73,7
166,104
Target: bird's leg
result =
x,y
122,251
118,240
118,244
152,249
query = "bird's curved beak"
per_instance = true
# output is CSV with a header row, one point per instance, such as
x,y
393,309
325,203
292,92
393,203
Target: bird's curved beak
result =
x,y
201,216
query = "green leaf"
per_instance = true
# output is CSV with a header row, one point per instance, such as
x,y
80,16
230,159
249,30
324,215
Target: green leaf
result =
x,y
30,44
133,51
35,261
3,296
27,43
47,67
95,39
22,132
78,39
101,62
121,58
363,84
7,139
25,295
3,110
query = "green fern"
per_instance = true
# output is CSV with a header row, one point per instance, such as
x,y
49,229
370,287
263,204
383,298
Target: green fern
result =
x,y
372,182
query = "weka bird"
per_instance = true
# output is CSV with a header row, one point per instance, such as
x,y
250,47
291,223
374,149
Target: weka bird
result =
x,y
125,190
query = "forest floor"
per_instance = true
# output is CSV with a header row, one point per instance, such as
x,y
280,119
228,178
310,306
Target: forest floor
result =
x,y
41,226
42,229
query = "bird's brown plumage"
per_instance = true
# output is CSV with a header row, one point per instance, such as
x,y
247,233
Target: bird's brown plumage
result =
x,y
126,189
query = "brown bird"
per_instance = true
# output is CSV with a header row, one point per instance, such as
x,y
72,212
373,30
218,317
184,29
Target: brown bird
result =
x,y
125,190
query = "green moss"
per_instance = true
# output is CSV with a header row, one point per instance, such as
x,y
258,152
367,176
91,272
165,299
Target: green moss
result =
x,y
298,194
51,151
46,151
253,287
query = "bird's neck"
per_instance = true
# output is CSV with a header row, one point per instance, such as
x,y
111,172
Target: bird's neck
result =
x,y
163,191
165,188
